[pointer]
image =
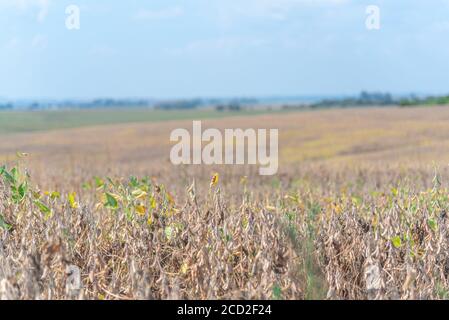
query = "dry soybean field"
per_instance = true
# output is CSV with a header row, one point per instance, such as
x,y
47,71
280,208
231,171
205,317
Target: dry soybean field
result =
x,y
358,209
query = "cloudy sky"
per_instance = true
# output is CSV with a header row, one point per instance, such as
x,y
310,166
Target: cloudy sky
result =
x,y
169,49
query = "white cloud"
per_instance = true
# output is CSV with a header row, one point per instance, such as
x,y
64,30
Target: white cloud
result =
x,y
40,7
39,41
102,50
440,26
161,14
12,43
43,10
221,45
268,9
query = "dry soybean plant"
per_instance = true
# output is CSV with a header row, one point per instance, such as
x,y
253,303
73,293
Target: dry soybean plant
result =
x,y
134,239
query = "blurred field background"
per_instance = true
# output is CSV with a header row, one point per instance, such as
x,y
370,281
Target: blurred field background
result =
x,y
78,144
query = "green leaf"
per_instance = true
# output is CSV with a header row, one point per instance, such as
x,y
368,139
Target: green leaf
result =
x,y
98,182
86,186
356,200
396,241
168,233
277,292
18,193
3,224
43,208
133,182
22,190
15,174
8,177
432,224
111,201
111,181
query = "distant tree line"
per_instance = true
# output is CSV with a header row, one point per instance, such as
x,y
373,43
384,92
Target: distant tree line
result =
x,y
382,99
179,104
428,101
236,104
74,104
228,107
364,99
6,106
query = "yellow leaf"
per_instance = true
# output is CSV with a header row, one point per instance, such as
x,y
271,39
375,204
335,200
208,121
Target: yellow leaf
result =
x,y
214,180
169,213
55,195
170,198
375,222
98,206
141,210
245,222
152,203
184,268
139,194
394,191
21,154
337,208
37,195
72,201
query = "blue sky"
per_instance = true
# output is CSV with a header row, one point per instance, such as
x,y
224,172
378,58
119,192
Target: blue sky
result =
x,y
221,48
